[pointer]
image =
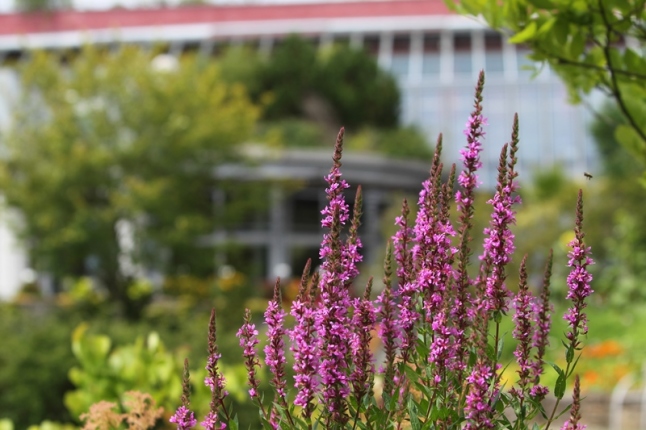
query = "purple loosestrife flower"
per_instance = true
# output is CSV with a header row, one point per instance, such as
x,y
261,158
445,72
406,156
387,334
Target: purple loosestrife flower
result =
x,y
332,320
540,340
350,255
401,241
575,412
578,280
523,332
388,332
212,422
468,179
407,291
363,322
215,381
432,256
184,417
275,349
304,341
438,309
461,313
477,409
498,242
248,336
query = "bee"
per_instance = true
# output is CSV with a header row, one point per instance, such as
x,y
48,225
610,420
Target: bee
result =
x,y
587,175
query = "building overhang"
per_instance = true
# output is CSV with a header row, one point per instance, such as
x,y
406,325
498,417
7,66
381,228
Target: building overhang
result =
x,y
311,166
69,29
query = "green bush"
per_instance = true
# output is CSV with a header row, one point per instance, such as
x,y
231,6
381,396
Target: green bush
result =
x,y
34,360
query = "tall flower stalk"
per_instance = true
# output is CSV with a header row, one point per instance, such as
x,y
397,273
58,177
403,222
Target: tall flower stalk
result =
x,y
184,418
332,318
579,289
215,381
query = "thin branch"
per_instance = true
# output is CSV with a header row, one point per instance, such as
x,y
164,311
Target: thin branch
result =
x,y
613,76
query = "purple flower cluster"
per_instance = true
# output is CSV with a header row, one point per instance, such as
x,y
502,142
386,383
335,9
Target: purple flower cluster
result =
x,y
363,321
212,422
477,409
408,289
306,360
468,179
523,332
248,336
579,279
184,418
332,319
215,381
434,321
275,349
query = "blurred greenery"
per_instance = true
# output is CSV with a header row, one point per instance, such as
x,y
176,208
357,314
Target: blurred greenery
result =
x,y
43,377
297,81
110,138
307,94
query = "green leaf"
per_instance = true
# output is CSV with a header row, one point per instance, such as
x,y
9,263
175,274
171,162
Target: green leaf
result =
x,y
559,386
546,28
630,139
577,45
413,416
526,34
233,424
633,61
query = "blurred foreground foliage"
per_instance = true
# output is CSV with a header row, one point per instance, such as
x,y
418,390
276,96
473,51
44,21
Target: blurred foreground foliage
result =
x,y
59,358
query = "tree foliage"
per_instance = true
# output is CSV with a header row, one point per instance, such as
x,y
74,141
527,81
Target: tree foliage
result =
x,y
591,44
307,94
110,142
346,81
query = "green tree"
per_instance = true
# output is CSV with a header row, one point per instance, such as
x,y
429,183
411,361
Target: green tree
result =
x,y
591,44
308,94
297,81
113,140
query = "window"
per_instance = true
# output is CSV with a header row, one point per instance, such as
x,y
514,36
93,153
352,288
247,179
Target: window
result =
x,y
494,62
462,64
431,55
401,56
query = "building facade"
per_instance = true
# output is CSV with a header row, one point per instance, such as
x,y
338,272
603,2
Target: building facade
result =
x,y
434,55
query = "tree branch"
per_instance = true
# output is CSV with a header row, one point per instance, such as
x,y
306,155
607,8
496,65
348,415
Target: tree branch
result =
x,y
613,77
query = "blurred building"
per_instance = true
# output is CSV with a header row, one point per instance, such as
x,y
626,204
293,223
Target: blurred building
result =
x,y
280,241
435,56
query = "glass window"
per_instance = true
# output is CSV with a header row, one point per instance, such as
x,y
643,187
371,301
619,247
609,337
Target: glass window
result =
x,y
431,64
494,62
399,66
462,63
431,55
401,56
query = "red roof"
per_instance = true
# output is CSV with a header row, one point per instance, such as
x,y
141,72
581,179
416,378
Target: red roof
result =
x,y
47,22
